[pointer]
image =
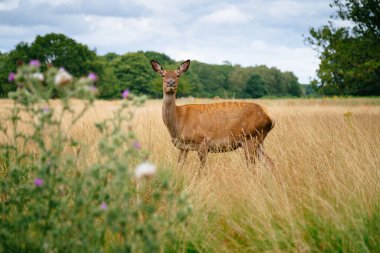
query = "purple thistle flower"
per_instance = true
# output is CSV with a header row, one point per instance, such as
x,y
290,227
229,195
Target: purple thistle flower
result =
x,y
38,182
103,206
35,63
137,145
92,76
93,89
46,109
125,93
11,77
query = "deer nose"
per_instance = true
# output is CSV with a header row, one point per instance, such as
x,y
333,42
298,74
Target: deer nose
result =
x,y
171,83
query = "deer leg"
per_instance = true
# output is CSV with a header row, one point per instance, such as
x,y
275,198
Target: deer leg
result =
x,y
246,153
202,153
182,157
250,151
263,156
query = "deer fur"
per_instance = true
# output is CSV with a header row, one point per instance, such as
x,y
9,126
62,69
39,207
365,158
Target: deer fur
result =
x,y
218,127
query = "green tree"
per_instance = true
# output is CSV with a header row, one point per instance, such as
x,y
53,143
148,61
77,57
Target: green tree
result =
x,y
161,58
62,51
350,56
213,79
9,63
307,90
110,56
108,85
133,72
294,89
292,86
255,87
238,79
5,86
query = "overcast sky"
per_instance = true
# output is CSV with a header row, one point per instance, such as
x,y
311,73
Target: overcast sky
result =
x,y
245,32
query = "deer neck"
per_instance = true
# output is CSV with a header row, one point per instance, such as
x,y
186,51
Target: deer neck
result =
x,y
169,114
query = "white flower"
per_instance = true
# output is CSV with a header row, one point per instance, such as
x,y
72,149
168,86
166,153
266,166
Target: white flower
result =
x,y
62,77
38,76
145,169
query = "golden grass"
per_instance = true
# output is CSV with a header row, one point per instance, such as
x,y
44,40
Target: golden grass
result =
x,y
326,176
327,157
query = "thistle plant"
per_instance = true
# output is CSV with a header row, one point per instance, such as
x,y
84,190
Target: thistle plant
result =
x,y
48,203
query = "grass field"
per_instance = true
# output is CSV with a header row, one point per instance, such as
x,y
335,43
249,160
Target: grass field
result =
x,y
322,196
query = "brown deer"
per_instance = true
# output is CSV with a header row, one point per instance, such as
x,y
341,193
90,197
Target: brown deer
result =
x,y
218,127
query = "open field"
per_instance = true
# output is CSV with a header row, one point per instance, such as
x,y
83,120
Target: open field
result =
x,y
322,196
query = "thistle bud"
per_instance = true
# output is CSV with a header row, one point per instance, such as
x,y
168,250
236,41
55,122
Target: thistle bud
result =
x,y
63,77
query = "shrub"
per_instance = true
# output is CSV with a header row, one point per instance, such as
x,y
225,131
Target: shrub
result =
x,y
49,203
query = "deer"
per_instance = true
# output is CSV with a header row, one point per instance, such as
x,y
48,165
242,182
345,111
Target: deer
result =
x,y
212,128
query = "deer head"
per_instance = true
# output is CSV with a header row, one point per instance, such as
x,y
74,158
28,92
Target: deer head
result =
x,y
170,78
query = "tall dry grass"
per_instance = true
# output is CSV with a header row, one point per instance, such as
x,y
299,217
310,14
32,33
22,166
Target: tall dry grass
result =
x,y
322,196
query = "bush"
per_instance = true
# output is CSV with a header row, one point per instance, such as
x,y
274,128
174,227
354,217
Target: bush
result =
x,y
48,203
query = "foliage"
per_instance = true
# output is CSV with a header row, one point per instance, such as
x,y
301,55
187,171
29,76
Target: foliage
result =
x,y
60,51
132,71
162,58
350,55
5,87
255,87
49,203
212,79
107,83
308,90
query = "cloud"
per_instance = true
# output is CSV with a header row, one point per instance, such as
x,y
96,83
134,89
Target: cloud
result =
x,y
121,35
54,3
227,15
58,13
7,5
285,9
247,32
300,60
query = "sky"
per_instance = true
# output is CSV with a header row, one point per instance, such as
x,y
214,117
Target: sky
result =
x,y
244,32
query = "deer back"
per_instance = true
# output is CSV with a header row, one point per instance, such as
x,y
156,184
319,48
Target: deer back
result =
x,y
221,120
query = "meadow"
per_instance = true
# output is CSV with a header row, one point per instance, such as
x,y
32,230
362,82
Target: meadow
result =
x,y
323,195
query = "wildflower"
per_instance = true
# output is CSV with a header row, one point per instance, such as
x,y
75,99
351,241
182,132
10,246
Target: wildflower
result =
x,y
38,182
38,76
125,93
145,169
137,145
63,77
46,109
35,63
104,206
93,89
92,76
11,77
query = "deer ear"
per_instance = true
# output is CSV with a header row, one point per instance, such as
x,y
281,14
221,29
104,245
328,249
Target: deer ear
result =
x,y
157,67
184,67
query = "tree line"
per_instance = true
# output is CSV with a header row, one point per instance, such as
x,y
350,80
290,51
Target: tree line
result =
x,y
133,71
349,63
